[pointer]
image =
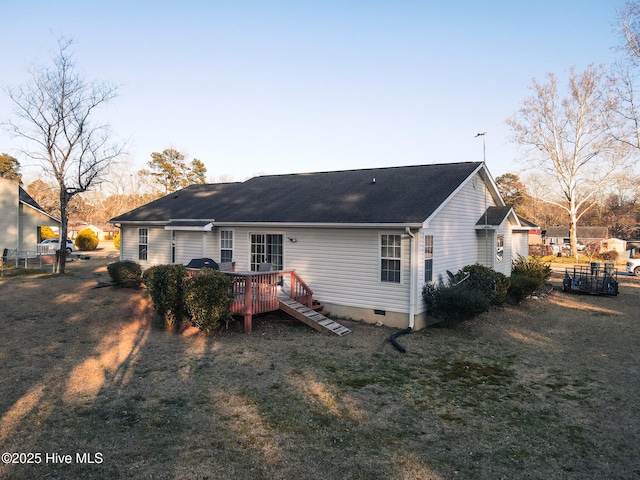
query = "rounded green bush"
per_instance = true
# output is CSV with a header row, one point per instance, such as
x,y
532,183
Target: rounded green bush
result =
x,y
87,240
522,286
125,273
46,233
208,298
534,267
165,284
609,255
483,279
454,304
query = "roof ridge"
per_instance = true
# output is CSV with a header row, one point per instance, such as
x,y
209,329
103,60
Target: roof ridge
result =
x,y
364,169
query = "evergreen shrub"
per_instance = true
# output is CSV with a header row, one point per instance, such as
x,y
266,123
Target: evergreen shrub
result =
x,y
87,240
452,304
609,256
533,267
492,284
165,284
527,275
125,273
521,287
208,298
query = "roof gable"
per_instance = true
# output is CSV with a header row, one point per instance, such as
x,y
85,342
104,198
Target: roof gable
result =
x,y
494,216
395,195
26,199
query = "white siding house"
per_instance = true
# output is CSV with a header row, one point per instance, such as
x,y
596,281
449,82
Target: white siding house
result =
x,y
365,241
20,220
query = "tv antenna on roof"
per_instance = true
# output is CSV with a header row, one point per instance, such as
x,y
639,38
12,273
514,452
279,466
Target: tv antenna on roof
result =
x,y
484,146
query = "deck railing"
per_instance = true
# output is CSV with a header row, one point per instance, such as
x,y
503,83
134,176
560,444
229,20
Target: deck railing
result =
x,y
257,292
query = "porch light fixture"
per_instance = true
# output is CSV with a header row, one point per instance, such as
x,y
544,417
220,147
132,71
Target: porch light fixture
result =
x,y
292,239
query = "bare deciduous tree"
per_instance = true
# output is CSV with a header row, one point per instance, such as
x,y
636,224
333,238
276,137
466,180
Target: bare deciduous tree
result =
x,y
54,112
46,195
572,139
629,29
625,74
536,209
625,84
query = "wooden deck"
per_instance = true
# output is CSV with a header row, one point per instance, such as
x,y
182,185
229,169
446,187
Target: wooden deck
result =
x,y
261,292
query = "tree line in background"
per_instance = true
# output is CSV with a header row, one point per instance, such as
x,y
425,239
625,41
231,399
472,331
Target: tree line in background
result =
x,y
582,144
616,207
579,146
127,189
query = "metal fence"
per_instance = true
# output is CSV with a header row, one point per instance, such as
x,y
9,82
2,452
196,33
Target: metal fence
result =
x,y
27,259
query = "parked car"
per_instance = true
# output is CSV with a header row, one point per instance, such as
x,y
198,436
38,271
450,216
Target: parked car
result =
x,y
580,246
633,266
54,244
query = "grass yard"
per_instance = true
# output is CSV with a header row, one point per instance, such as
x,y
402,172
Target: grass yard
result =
x,y
547,390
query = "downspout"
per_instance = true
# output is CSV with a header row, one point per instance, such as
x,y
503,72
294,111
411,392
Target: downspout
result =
x,y
412,276
412,303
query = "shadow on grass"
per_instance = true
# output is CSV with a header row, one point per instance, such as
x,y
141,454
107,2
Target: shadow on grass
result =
x,y
289,402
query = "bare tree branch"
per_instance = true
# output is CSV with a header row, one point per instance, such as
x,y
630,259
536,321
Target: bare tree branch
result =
x,y
572,139
54,112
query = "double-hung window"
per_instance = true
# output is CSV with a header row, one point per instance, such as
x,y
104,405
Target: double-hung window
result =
x,y
428,258
390,254
226,245
173,246
143,243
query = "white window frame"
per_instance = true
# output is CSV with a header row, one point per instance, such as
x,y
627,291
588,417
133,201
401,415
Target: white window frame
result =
x,y
500,247
226,245
173,246
428,258
389,253
143,241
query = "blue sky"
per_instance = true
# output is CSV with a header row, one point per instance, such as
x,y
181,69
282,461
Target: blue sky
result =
x,y
265,87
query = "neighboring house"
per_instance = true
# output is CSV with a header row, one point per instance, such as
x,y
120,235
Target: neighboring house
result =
x,y
365,241
103,232
613,244
20,219
586,235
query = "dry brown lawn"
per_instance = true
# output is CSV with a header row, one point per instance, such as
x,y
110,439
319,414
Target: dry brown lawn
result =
x,y
546,390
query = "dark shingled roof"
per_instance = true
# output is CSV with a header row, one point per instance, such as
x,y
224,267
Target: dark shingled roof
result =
x,y
493,216
528,223
28,200
406,195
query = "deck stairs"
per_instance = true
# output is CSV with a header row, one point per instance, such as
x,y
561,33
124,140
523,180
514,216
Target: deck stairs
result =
x,y
314,317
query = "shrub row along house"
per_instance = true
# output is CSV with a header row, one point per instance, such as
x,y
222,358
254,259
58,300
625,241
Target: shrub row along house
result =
x,y
365,241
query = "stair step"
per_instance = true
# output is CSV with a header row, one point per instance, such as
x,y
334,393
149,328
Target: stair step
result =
x,y
318,307
311,317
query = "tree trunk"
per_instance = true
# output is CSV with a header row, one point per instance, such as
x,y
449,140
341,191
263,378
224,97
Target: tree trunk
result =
x,y
62,237
573,234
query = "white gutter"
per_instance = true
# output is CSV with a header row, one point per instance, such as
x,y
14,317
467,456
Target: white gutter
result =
x,y
387,226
